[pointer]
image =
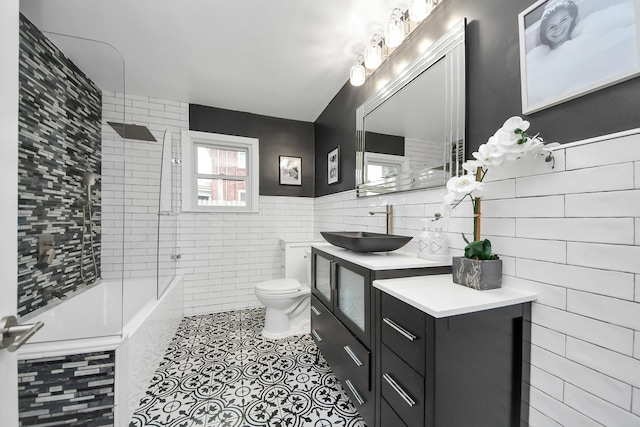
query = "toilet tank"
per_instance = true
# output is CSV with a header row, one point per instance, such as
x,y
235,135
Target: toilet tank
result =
x,y
297,261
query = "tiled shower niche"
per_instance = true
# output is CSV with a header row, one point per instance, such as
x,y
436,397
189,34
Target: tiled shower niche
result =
x,y
59,141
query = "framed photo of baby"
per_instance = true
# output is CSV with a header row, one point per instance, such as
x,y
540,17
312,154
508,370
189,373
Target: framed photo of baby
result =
x,y
569,48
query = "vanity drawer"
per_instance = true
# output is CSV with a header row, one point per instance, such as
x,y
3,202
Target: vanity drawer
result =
x,y
402,388
348,358
324,328
357,365
362,400
354,378
388,416
318,310
404,329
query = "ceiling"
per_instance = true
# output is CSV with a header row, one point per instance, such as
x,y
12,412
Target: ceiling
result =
x,y
280,58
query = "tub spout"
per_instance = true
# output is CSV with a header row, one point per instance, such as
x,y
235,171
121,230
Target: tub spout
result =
x,y
54,293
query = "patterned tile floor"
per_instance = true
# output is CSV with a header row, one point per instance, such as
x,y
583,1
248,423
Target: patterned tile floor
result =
x,y
219,371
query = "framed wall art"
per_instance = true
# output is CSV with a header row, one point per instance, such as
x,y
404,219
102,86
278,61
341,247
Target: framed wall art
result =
x,y
333,166
290,170
569,48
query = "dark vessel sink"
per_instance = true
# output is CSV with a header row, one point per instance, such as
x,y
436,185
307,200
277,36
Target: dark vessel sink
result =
x,y
362,241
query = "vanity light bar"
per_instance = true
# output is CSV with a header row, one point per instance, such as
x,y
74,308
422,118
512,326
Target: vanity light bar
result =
x,y
396,30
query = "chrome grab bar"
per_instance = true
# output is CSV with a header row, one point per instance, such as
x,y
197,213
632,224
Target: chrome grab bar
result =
x,y
402,331
315,310
403,394
354,392
352,355
315,334
10,330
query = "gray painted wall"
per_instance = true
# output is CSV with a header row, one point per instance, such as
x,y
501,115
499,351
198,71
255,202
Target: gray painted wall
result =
x,y
278,137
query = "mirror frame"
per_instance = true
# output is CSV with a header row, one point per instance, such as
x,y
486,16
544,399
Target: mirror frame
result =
x,y
455,137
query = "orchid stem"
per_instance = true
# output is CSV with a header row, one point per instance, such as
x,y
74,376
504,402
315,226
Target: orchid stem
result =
x,y
480,173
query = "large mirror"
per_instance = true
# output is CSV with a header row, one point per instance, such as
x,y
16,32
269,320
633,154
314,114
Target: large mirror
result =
x,y
411,133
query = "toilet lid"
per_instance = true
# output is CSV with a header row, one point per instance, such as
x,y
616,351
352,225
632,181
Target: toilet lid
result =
x,y
279,286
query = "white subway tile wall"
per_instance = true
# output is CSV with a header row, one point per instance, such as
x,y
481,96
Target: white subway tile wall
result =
x,y
613,149
539,420
549,339
131,177
562,369
225,255
547,411
571,234
548,383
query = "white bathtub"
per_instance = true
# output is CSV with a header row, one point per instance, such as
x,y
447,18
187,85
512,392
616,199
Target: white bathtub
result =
x,y
108,316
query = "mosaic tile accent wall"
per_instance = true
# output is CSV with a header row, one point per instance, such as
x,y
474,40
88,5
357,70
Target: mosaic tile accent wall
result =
x,y
73,390
59,140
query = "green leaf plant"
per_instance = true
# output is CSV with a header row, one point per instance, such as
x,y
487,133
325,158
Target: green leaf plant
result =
x,y
479,249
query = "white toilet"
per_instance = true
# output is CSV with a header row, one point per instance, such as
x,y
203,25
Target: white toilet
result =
x,y
288,300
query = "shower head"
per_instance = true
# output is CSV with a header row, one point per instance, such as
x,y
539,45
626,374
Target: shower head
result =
x,y
88,179
131,131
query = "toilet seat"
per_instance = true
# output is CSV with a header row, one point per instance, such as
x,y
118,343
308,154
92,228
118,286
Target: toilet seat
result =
x,y
281,287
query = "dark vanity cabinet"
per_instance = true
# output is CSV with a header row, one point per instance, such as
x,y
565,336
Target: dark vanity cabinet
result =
x,y
344,288
342,323
457,371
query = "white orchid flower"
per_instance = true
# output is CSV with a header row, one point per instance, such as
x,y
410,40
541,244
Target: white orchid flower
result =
x,y
514,123
507,144
508,139
489,155
464,184
471,166
510,142
539,148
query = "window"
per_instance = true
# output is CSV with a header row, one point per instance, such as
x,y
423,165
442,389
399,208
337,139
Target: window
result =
x,y
219,173
379,166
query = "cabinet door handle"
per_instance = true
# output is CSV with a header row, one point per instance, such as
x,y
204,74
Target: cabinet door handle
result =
x,y
333,271
13,335
352,355
315,310
315,334
403,394
354,392
402,331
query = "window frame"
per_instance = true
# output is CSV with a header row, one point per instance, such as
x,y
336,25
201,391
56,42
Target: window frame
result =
x,y
193,139
379,159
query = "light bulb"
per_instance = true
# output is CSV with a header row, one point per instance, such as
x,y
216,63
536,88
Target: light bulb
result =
x,y
419,9
373,53
394,29
358,73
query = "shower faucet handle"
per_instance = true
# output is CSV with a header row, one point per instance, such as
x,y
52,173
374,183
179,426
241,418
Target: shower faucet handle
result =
x,y
51,255
46,249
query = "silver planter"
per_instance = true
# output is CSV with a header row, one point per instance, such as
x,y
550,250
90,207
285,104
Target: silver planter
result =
x,y
477,274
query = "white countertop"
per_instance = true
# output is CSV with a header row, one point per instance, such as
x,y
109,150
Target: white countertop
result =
x,y
393,260
438,296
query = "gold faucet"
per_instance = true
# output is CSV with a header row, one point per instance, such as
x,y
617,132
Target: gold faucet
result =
x,y
389,213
